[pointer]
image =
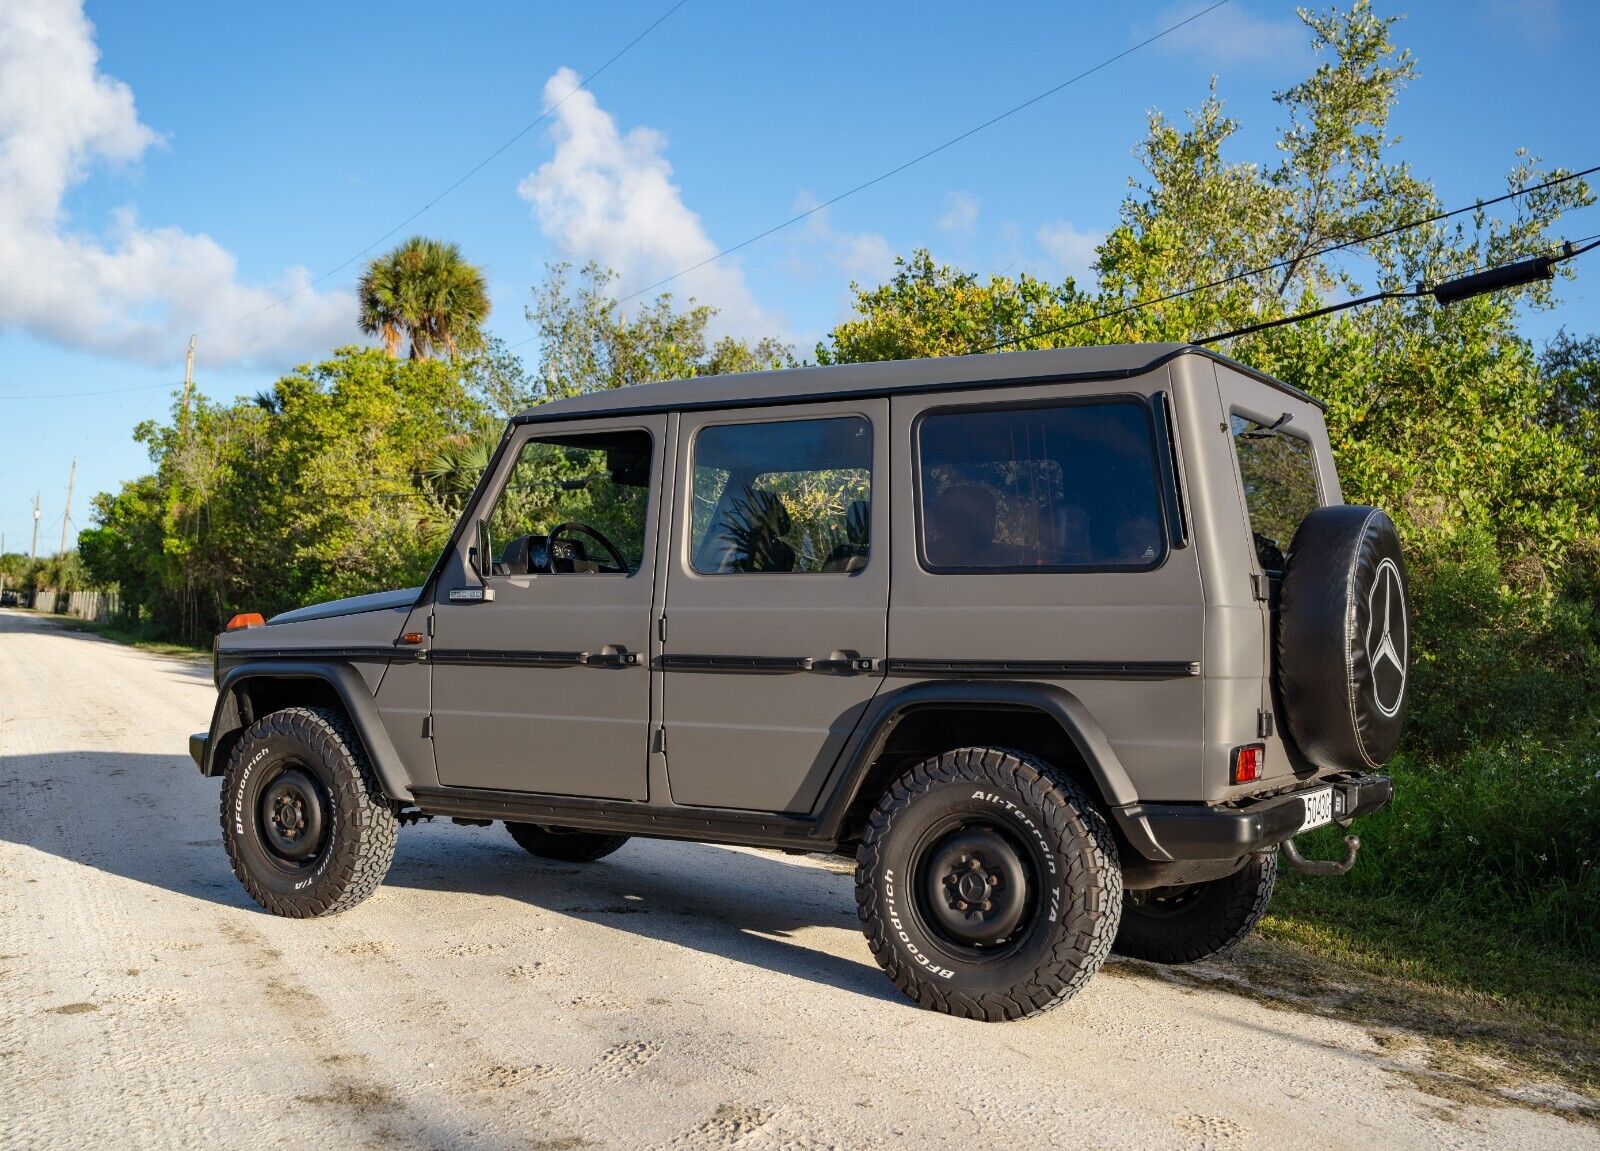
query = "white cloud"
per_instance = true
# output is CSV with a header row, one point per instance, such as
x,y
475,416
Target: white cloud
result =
x,y
960,212
1071,250
1229,35
863,256
608,196
132,290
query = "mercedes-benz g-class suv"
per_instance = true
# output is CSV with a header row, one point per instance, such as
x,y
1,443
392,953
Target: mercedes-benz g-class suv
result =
x,y
1064,647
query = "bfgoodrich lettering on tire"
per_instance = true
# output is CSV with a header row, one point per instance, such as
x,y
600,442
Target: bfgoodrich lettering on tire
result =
x,y
988,884
307,827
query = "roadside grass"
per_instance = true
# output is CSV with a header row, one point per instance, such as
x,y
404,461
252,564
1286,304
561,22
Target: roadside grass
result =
x,y
129,637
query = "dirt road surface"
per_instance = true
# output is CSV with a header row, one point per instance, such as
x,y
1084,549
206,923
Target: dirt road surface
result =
x,y
673,995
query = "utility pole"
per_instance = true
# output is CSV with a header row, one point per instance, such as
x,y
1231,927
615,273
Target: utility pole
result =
x,y
33,551
188,383
66,514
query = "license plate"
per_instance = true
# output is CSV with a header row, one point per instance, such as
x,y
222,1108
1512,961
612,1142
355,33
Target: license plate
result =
x,y
1318,807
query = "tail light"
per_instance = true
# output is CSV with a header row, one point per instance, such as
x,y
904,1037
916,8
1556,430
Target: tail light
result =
x,y
1247,762
245,619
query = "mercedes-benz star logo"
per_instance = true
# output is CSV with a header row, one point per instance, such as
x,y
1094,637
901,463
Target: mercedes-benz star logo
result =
x,y
1386,638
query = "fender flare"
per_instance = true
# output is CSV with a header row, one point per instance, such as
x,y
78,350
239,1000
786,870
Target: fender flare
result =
x,y
889,708
353,692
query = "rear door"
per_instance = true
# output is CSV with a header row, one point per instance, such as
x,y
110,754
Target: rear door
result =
x,y
776,599
1282,470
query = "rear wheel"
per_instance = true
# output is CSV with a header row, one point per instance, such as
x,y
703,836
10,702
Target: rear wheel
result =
x,y
305,823
1198,920
564,843
988,884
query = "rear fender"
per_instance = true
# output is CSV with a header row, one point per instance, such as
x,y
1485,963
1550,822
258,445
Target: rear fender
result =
x,y
228,718
1065,709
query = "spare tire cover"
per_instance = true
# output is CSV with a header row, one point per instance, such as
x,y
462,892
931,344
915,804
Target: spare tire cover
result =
x,y
1344,638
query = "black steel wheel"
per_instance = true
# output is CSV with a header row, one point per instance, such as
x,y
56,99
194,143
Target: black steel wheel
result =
x,y
305,823
988,884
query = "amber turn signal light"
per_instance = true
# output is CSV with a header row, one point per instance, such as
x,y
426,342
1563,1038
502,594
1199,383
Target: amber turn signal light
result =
x,y
245,619
411,637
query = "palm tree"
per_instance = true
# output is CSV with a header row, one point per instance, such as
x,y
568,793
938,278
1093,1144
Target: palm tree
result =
x,y
425,292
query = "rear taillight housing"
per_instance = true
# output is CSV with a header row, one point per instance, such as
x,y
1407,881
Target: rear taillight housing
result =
x,y
1247,762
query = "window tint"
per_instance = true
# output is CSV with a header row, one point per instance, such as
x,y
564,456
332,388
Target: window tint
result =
x,y
1279,477
782,496
600,481
1043,488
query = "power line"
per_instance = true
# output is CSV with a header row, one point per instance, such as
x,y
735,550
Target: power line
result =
x,y
1481,281
4,398
1278,265
931,152
471,172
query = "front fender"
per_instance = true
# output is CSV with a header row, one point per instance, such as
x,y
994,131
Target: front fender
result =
x,y
353,693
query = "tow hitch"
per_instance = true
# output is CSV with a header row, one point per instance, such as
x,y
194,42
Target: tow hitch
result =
x,y
1322,866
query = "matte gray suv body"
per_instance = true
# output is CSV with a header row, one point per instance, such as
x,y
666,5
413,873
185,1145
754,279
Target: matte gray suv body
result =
x,y
787,609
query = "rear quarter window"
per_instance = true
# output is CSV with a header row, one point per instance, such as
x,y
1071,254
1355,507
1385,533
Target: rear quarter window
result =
x,y
1064,487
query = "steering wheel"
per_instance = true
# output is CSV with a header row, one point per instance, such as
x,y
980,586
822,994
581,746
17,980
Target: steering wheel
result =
x,y
593,533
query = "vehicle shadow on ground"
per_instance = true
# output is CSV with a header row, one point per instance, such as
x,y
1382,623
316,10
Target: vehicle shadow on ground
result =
x,y
740,905
154,821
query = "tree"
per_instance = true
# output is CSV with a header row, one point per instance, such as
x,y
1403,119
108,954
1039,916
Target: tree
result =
x,y
424,292
588,343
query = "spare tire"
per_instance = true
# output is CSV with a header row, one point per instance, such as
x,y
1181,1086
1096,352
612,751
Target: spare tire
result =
x,y
1344,638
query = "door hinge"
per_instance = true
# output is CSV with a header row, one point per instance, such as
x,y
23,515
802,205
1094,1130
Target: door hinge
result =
x,y
427,727
661,628
661,740
1261,587
430,623
1263,724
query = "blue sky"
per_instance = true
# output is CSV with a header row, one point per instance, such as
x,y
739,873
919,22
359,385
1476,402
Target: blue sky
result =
x,y
166,168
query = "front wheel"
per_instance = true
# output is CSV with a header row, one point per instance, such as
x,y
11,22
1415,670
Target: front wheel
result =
x,y
988,884
305,823
1198,920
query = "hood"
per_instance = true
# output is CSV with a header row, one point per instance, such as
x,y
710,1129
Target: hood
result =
x,y
377,601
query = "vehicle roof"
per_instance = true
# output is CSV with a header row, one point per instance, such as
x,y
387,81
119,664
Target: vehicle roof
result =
x,y
798,385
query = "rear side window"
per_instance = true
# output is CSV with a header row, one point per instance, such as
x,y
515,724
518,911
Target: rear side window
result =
x,y
1048,488
1279,476
782,496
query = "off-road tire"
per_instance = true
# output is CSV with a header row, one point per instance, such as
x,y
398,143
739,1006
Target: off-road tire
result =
x,y
569,846
1076,899
361,828
1212,918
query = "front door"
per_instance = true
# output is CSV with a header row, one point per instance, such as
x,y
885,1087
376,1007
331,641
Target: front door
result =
x,y
776,599
544,685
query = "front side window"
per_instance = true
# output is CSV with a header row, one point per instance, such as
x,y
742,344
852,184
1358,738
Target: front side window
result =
x,y
1052,488
1279,476
782,496
574,504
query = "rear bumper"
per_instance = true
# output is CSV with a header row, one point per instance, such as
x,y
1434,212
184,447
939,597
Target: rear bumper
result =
x,y
1184,831
197,749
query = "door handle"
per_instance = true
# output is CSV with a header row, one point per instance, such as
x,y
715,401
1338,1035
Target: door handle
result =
x,y
611,657
847,663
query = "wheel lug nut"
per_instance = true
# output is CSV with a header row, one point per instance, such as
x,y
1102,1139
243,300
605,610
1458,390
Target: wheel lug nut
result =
x,y
987,905
961,905
994,881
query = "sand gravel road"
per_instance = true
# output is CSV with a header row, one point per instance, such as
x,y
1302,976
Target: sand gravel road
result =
x,y
674,995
